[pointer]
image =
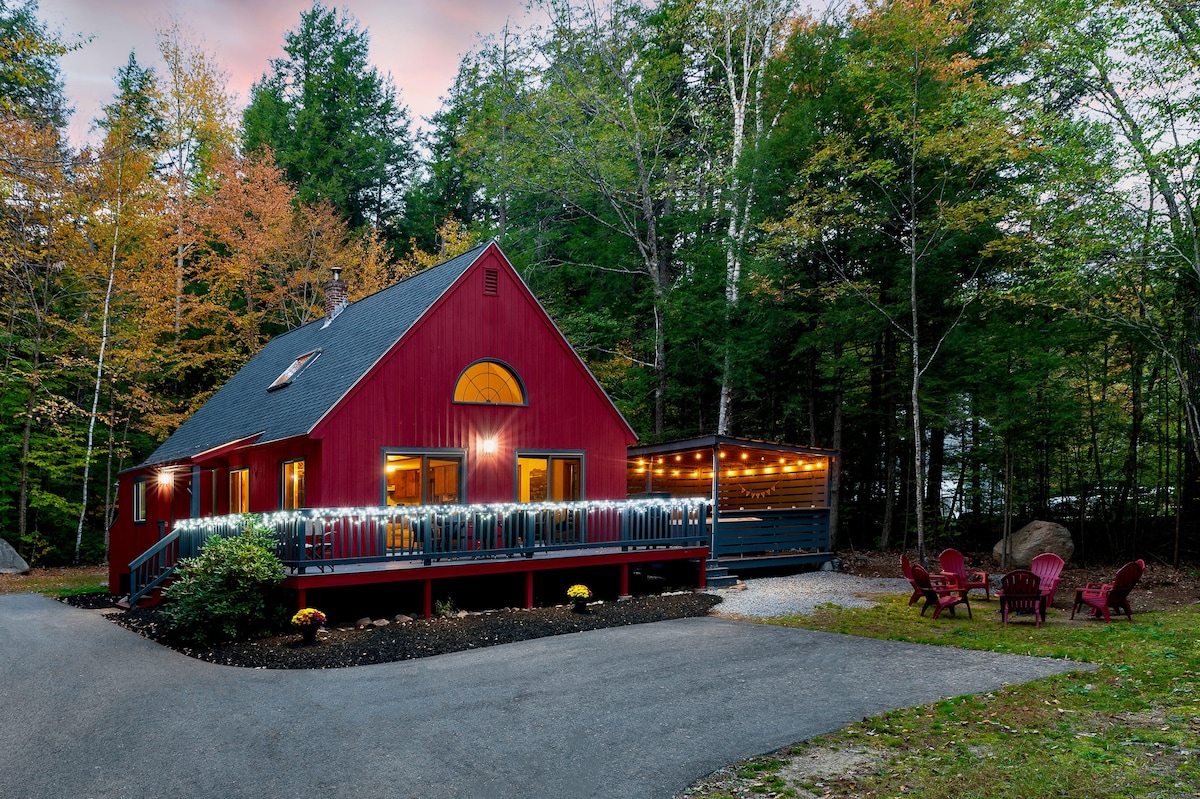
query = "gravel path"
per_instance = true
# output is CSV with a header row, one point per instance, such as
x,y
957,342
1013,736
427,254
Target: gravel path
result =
x,y
767,597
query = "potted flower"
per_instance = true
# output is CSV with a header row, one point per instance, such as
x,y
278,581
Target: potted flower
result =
x,y
308,621
579,594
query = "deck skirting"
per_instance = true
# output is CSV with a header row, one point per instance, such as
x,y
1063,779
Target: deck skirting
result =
x,y
349,575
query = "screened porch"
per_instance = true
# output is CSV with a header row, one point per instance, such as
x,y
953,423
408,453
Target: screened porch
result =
x,y
770,500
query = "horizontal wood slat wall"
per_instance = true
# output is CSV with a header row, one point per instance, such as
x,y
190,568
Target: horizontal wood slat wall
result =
x,y
771,531
798,489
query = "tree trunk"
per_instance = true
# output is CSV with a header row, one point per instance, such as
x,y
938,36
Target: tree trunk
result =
x,y
933,487
26,437
835,463
887,408
976,479
812,399
91,431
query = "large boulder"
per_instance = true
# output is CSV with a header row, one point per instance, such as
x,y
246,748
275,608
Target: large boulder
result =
x,y
10,561
1032,540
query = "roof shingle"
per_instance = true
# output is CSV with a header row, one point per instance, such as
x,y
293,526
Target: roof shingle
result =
x,y
354,342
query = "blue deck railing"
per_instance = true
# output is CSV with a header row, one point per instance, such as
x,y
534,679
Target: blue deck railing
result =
x,y
772,537
321,538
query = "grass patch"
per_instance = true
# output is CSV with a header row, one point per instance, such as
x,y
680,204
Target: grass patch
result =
x,y
1130,729
58,582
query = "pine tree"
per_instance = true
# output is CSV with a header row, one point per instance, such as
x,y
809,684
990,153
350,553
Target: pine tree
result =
x,y
334,124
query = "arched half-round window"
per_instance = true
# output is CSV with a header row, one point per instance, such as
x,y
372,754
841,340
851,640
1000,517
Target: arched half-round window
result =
x,y
490,383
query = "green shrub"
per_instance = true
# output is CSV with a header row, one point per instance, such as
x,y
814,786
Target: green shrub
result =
x,y
228,592
444,608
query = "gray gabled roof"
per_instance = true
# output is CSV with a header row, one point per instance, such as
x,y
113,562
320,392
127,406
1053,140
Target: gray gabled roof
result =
x,y
349,346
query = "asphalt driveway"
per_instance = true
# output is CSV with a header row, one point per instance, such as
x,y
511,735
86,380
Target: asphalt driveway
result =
x,y
88,709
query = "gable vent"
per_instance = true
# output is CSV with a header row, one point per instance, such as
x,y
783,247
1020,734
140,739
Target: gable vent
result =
x,y
491,281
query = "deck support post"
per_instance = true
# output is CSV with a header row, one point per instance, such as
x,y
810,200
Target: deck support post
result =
x,y
623,592
301,599
528,590
702,582
428,598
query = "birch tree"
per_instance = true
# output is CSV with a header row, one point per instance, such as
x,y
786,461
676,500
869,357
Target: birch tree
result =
x,y
122,224
741,40
599,128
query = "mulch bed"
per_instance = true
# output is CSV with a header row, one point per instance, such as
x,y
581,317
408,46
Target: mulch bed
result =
x,y
338,648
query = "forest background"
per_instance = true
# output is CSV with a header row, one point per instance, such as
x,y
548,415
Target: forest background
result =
x,y
956,241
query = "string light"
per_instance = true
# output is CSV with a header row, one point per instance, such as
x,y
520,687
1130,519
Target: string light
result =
x,y
393,513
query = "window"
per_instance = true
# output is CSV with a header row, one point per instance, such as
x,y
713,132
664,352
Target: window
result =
x,y
549,478
290,373
489,382
139,500
422,479
239,490
292,491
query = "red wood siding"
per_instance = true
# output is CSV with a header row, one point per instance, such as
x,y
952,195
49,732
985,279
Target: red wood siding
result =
x,y
164,502
265,464
405,402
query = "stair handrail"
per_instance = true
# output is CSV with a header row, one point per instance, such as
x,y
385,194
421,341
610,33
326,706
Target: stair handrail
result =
x,y
153,567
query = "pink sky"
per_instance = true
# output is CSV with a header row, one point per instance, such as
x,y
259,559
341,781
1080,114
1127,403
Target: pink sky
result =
x,y
420,42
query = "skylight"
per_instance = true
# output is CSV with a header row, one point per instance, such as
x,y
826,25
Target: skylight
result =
x,y
290,373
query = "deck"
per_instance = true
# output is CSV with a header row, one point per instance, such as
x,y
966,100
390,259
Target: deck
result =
x,y
340,547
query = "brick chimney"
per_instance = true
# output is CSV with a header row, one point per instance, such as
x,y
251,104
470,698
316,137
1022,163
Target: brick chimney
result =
x,y
335,295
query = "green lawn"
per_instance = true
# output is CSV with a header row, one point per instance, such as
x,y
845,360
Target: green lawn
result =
x,y
57,581
1130,729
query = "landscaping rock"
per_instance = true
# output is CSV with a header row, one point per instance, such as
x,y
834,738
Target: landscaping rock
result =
x,y
1033,539
363,623
402,619
380,623
10,561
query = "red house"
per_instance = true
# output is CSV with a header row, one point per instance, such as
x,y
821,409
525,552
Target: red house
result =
x,y
450,388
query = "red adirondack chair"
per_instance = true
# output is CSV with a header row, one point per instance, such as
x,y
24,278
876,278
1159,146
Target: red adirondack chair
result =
x,y
953,563
1048,567
940,594
1110,596
1021,591
906,567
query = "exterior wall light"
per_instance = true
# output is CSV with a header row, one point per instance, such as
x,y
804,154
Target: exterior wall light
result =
x,y
488,446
